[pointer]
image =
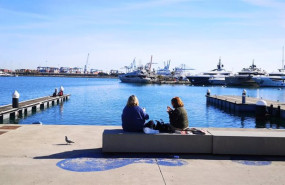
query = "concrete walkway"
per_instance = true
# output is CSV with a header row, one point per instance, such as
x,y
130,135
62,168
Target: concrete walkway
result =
x,y
38,154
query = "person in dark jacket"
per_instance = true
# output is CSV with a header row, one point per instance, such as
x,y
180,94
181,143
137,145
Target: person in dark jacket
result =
x,y
178,117
55,93
133,117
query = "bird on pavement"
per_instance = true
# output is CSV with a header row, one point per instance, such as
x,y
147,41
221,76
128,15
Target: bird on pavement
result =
x,y
68,141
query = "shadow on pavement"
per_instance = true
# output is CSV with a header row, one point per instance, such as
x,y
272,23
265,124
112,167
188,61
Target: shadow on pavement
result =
x,y
97,153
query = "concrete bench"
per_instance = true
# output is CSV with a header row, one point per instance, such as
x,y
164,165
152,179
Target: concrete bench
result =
x,y
129,142
249,142
216,141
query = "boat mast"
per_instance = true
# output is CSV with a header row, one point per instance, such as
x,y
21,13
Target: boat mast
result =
x,y
283,67
220,65
150,63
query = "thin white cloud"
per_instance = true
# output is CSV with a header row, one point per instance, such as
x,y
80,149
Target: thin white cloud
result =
x,y
154,3
8,12
267,3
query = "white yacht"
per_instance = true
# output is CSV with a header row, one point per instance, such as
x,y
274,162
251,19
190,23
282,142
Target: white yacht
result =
x,y
245,76
2,74
274,79
136,74
214,77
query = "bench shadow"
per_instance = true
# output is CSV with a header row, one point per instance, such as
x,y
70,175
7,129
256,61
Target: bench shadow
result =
x,y
97,153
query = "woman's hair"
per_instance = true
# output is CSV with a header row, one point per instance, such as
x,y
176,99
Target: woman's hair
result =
x,y
133,101
177,102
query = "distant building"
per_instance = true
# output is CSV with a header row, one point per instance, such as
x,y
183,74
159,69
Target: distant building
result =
x,y
64,70
43,69
25,71
54,70
76,70
114,72
48,69
95,71
6,70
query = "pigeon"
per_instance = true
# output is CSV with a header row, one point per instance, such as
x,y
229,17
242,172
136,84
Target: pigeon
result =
x,y
38,123
68,141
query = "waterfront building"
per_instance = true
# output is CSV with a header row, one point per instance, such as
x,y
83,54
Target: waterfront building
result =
x,y
64,70
6,70
48,69
96,71
76,70
26,71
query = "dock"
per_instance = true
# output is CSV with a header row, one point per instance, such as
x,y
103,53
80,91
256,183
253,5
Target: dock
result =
x,y
234,104
7,112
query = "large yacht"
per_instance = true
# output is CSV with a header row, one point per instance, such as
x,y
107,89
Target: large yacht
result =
x,y
213,77
138,76
274,79
142,74
244,77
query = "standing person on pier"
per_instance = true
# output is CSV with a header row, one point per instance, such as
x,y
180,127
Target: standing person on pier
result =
x,y
133,117
178,117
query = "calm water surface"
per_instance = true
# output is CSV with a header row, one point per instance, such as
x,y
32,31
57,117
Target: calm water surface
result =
x,y
100,101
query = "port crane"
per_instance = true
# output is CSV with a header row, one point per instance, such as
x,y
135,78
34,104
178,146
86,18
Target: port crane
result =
x,y
148,65
86,65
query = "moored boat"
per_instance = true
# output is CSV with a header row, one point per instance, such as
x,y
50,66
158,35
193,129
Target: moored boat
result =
x,y
214,77
2,74
138,76
274,79
142,74
245,76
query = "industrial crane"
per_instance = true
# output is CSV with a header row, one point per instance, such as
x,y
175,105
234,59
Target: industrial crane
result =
x,y
86,65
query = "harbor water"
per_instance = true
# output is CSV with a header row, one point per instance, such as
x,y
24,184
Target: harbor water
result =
x,y
101,101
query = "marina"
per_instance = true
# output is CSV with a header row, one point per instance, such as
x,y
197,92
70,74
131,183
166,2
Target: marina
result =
x,y
251,76
159,92
105,99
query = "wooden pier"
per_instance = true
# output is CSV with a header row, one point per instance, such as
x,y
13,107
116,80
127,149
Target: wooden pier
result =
x,y
234,104
7,112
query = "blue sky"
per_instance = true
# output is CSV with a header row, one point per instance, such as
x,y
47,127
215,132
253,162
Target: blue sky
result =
x,y
192,32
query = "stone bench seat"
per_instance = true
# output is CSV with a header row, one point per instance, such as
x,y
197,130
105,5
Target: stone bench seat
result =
x,y
130,142
249,142
216,141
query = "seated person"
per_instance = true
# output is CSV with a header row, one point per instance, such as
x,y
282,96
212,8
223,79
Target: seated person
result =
x,y
55,93
60,93
133,117
178,117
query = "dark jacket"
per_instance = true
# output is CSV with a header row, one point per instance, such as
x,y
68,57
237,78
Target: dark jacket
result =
x,y
178,118
133,119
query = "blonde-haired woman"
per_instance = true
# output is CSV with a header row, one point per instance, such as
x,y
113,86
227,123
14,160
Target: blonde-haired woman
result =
x,y
133,117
